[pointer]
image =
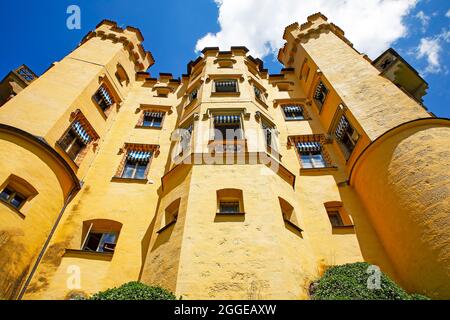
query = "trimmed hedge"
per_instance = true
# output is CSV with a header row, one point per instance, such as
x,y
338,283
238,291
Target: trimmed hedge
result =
x,y
349,282
134,291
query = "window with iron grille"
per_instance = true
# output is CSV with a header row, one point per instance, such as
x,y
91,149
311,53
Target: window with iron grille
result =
x,y
103,98
152,119
226,86
12,197
311,155
346,135
320,94
136,164
75,140
293,112
227,127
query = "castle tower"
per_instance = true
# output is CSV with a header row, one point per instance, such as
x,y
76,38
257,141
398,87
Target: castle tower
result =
x,y
229,183
50,134
398,166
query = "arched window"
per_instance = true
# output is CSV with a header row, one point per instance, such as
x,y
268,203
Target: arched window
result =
x,y
100,235
122,75
15,192
230,202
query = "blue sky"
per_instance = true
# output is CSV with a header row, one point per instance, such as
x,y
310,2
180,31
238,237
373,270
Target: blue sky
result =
x,y
35,32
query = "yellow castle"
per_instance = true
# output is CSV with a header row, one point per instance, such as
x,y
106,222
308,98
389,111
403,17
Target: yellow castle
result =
x,y
228,183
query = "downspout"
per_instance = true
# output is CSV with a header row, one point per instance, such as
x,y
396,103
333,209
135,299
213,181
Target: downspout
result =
x,y
47,242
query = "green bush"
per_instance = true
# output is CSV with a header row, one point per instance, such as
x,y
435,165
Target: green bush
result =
x,y
134,291
349,282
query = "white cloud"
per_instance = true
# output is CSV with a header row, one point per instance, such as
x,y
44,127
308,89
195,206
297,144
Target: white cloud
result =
x,y
448,14
424,20
431,48
372,25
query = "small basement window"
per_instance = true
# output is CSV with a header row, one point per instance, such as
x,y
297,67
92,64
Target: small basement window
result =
x,y
337,215
229,201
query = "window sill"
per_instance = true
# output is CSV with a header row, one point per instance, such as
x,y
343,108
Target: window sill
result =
x,y
347,229
77,253
261,102
325,170
148,127
225,94
131,180
14,209
293,225
237,214
167,226
303,119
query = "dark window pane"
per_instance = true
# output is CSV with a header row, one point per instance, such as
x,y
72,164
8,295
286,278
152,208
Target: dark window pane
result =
x,y
93,241
335,219
107,242
75,149
140,171
17,201
229,207
228,132
6,194
226,86
128,169
66,141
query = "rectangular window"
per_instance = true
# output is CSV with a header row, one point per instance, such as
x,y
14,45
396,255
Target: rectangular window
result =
x,y
101,242
258,93
75,140
347,136
186,138
136,165
227,127
12,197
335,219
229,207
293,112
103,98
320,94
268,130
311,155
226,86
153,119
193,95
